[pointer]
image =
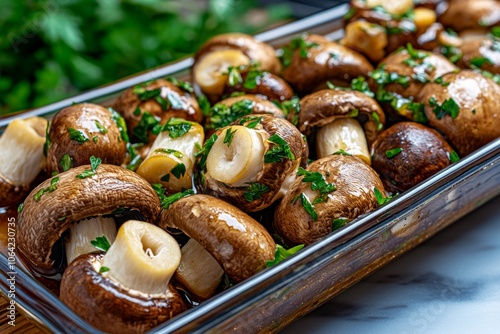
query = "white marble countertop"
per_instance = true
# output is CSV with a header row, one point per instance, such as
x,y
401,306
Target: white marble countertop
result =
x,y
449,284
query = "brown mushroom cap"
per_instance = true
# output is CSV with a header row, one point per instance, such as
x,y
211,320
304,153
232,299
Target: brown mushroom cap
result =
x,y
102,137
484,50
273,175
324,61
471,14
239,243
423,153
354,195
181,104
321,108
110,307
478,119
255,50
42,222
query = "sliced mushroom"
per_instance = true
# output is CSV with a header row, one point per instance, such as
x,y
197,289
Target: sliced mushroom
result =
x,y
252,161
213,59
156,102
239,243
127,290
80,131
305,215
310,61
346,120
482,54
171,159
408,153
471,14
21,158
54,205
465,111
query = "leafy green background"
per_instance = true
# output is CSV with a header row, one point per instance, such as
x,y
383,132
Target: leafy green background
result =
x,y
53,49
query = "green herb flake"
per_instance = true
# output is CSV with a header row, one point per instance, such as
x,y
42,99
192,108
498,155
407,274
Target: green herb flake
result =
x,y
47,143
179,170
350,13
308,207
145,126
254,191
137,111
441,81
233,76
167,201
184,85
101,243
317,183
173,152
353,113
299,44
361,85
95,139
376,119
448,107
66,162
177,127
479,61
77,136
94,164
103,269
453,156
253,78
100,127
342,152
279,151
393,152
338,223
251,122
49,189
61,219
135,158
20,207
222,115
120,123
204,104
282,254
381,199
473,111
203,152
165,178
228,138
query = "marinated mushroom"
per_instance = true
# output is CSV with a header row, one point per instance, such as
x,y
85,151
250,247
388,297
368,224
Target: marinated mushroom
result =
x,y
171,159
310,61
471,15
482,54
327,195
252,162
66,201
80,131
408,153
465,111
401,76
155,102
228,110
239,243
344,119
218,54
126,290
21,158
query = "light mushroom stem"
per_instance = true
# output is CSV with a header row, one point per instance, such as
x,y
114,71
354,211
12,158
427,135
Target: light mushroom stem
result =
x,y
198,271
239,160
210,72
143,258
167,154
342,134
84,231
21,150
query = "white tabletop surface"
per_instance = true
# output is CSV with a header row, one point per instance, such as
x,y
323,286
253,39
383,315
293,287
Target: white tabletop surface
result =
x,y
449,284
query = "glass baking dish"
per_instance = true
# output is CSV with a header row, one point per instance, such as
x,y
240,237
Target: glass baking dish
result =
x,y
276,296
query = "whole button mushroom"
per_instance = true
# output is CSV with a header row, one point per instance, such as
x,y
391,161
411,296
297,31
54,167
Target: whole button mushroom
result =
x,y
21,158
218,54
146,105
471,15
482,54
126,290
80,131
240,244
77,200
344,119
310,61
327,195
465,111
252,162
408,153
402,75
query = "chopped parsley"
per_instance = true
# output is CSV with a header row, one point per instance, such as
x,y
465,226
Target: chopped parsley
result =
x,y
167,201
376,119
453,156
339,222
441,81
66,162
234,76
254,191
392,153
165,178
135,158
20,208
184,85
204,104
282,254
177,127
179,170
360,84
49,189
342,152
175,153
228,138
448,107
480,61
102,129
251,121
120,123
103,269
291,107
317,183
402,104
77,136
147,124
298,43
308,207
279,151
382,77
94,163
381,199
221,115
203,152
101,243
47,143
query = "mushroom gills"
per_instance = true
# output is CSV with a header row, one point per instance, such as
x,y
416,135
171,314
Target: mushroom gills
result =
x,y
143,258
211,71
238,160
21,150
342,134
198,271
83,232
170,161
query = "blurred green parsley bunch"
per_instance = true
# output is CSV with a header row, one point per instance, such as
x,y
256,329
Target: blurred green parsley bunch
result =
x,y
52,49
